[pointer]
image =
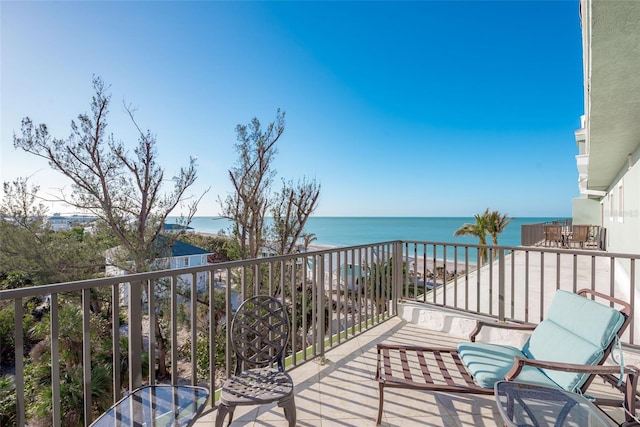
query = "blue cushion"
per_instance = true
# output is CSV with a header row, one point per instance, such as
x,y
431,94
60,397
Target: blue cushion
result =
x,y
594,322
489,363
576,330
552,342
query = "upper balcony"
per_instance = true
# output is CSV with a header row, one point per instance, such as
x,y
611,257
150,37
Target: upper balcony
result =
x,y
339,313
582,161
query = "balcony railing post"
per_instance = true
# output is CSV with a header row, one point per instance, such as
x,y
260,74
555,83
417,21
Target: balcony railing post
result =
x,y
194,328
135,334
228,316
397,277
256,280
86,354
320,271
115,322
54,330
213,324
19,358
501,285
151,303
173,328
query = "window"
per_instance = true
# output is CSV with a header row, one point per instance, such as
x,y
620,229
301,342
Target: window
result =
x,y
601,211
620,203
186,261
611,205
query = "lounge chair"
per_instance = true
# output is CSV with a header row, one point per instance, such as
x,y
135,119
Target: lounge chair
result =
x,y
565,351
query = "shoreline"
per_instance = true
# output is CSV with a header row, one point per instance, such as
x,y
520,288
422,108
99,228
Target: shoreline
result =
x,y
420,261
354,231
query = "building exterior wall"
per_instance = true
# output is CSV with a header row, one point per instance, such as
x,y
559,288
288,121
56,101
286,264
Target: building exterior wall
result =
x,y
161,264
186,261
59,223
586,211
610,133
621,208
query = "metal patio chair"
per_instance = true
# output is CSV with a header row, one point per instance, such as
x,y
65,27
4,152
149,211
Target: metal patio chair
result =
x,y
260,332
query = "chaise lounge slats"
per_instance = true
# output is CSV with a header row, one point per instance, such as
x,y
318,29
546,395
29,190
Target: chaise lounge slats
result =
x,y
423,365
405,365
410,368
443,369
465,375
566,351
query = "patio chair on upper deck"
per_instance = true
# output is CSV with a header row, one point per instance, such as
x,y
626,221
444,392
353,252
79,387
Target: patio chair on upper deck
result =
x,y
565,351
580,235
553,234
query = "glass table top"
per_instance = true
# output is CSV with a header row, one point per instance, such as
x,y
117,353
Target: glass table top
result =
x,y
524,405
156,405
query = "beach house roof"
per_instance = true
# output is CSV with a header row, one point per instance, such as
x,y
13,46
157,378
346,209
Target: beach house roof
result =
x,y
167,248
179,248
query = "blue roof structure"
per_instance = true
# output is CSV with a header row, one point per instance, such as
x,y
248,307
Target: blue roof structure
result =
x,y
179,248
183,249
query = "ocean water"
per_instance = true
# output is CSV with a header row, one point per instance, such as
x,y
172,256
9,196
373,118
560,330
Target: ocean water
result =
x,y
349,231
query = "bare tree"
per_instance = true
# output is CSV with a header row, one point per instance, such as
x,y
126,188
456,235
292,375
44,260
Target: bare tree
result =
x,y
251,178
122,189
290,210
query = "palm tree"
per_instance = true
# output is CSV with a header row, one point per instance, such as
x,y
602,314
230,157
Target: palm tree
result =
x,y
308,238
496,223
479,230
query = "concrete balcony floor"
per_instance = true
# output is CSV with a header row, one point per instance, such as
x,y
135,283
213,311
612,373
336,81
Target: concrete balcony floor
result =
x,y
343,391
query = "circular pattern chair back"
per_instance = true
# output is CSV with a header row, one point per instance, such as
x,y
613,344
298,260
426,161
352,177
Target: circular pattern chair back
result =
x,y
260,332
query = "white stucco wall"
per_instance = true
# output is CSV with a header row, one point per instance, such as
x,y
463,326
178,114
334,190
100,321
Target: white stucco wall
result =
x,y
623,225
586,211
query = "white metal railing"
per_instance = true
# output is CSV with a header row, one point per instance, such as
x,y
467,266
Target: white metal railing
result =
x,y
333,295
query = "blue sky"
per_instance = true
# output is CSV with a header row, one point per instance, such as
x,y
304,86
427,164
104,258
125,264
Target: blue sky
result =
x,y
434,108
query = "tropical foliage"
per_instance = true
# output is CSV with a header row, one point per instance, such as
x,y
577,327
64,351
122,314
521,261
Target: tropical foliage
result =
x,y
479,230
490,223
496,224
8,408
307,239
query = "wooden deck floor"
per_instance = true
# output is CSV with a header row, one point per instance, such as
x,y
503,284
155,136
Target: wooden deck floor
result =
x,y
343,391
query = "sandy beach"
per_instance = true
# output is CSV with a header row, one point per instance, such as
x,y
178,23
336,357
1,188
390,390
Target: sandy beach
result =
x,y
451,266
